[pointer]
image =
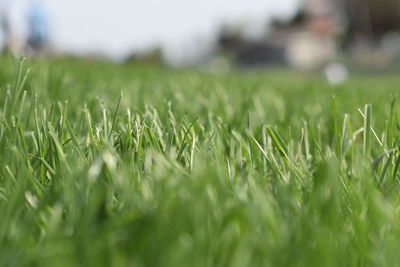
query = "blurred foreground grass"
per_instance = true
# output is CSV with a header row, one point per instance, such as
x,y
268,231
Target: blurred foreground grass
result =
x,y
104,165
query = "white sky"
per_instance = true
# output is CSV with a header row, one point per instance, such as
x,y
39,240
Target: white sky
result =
x,y
116,27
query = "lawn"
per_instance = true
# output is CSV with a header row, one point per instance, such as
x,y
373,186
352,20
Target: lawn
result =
x,y
140,165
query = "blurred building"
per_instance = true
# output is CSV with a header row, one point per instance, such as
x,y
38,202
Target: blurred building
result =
x,y
305,41
315,45
368,31
353,20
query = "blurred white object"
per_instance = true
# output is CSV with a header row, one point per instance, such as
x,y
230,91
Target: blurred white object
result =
x,y
308,50
336,73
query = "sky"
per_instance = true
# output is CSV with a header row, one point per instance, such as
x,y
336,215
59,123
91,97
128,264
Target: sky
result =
x,y
118,27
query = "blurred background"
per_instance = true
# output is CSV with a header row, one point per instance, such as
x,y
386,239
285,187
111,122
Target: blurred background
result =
x,y
213,34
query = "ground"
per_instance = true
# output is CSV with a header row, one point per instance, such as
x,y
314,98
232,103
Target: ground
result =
x,y
139,165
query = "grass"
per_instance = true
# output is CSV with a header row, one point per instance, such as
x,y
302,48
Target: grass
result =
x,y
104,165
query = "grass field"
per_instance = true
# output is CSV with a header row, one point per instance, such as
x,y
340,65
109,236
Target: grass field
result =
x,y
105,165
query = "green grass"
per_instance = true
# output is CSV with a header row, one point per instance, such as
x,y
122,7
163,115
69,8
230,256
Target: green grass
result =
x,y
104,165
